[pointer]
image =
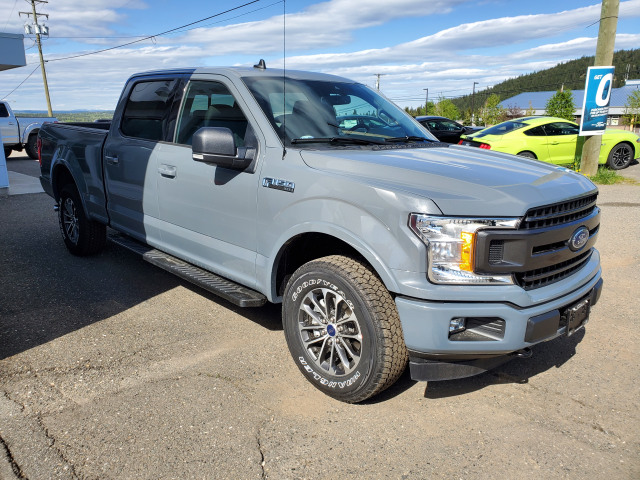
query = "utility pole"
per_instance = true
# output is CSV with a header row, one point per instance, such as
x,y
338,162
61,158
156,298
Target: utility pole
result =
x,y
378,75
604,57
37,31
426,103
473,103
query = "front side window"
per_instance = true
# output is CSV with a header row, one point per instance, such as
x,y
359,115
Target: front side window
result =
x,y
4,113
146,114
561,128
310,112
211,104
535,132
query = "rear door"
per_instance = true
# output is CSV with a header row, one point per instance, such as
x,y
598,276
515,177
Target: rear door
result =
x,y
8,126
143,123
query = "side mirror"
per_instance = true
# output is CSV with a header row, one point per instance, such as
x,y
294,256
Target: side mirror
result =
x,y
218,146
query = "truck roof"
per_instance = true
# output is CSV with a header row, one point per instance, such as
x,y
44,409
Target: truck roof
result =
x,y
239,72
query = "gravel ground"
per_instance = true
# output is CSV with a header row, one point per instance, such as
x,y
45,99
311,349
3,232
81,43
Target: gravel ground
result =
x,y
111,368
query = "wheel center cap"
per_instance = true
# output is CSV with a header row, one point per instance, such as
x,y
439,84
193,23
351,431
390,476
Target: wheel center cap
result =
x,y
331,330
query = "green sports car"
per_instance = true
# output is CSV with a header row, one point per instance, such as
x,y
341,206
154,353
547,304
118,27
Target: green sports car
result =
x,y
553,140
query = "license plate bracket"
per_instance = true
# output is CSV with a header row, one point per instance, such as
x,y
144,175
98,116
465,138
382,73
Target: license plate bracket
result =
x,y
577,315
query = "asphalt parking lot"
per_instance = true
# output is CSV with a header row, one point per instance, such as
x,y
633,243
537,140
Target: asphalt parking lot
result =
x,y
111,368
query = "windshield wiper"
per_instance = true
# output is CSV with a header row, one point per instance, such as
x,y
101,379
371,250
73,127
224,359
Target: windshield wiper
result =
x,y
408,138
339,141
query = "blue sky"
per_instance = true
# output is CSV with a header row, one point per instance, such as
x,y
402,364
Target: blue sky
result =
x,y
442,45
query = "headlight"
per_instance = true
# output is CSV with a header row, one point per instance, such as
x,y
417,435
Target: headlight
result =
x,y
451,245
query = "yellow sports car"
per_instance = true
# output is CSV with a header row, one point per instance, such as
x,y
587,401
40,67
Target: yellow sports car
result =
x,y
553,140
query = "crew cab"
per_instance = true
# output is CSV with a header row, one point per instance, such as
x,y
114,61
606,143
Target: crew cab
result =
x,y
20,132
385,248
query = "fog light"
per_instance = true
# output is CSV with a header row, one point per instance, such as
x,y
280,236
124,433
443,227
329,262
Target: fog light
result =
x,y
457,325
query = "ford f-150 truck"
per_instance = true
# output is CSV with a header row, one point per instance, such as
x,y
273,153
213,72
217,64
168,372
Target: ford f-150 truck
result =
x,y
20,132
384,245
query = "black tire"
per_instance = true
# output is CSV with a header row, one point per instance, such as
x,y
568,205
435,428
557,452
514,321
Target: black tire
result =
x,y
528,154
31,147
81,236
7,152
356,348
620,156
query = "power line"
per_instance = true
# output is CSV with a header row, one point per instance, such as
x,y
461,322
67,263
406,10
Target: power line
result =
x,y
156,35
37,67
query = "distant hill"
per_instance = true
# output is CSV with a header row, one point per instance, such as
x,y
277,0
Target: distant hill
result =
x,y
69,115
571,74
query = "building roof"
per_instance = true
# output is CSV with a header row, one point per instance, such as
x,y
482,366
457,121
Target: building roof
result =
x,y
539,99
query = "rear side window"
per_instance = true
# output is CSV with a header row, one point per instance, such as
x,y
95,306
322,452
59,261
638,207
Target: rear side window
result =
x,y
535,132
4,113
146,114
504,127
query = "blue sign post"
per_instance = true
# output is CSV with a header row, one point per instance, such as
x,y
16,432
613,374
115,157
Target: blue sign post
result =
x,y
595,106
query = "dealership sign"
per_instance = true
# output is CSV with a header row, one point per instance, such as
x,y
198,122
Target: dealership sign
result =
x,y
595,106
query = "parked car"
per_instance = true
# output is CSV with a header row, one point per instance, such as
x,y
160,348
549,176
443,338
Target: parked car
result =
x,y
20,132
445,129
554,140
368,124
384,248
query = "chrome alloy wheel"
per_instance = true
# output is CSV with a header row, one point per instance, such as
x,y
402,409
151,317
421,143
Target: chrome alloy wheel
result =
x,y
330,331
70,220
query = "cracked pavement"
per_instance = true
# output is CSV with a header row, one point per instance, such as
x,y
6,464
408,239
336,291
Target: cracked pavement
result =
x,y
112,368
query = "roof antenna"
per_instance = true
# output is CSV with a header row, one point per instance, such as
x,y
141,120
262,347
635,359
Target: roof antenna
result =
x,y
261,65
284,81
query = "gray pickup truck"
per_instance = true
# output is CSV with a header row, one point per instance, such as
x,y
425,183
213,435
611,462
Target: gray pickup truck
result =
x,y
384,246
20,132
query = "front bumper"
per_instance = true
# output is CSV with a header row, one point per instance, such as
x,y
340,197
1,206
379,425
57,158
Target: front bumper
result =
x,y
435,354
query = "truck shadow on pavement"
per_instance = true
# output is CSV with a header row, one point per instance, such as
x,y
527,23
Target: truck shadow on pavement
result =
x,y
46,293
548,355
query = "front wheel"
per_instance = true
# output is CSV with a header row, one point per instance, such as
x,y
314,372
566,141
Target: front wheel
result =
x,y
31,147
81,235
620,156
343,329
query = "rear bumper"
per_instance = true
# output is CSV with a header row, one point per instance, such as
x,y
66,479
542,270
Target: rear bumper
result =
x,y
436,354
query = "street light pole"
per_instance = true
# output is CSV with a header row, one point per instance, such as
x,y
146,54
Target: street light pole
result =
x,y
426,103
473,103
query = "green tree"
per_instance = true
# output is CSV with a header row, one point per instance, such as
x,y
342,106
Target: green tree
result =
x,y
632,110
561,105
446,108
492,113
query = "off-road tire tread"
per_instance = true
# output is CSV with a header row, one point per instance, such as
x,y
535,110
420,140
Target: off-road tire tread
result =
x,y
31,147
393,351
93,235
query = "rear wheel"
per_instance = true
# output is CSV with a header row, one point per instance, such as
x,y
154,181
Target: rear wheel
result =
x,y
81,235
620,156
31,146
343,329
527,154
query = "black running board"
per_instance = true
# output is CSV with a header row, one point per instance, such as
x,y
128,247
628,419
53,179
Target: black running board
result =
x,y
231,291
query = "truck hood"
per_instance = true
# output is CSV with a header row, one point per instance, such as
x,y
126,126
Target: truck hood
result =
x,y
459,180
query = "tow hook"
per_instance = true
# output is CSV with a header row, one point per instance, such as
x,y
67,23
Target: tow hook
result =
x,y
524,353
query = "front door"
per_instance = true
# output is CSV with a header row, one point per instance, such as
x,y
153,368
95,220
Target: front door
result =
x,y
561,141
207,212
8,126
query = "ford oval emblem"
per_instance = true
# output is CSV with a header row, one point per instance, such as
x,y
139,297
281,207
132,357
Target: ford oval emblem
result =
x,y
578,239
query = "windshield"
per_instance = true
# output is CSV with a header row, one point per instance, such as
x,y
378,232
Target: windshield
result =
x,y
312,113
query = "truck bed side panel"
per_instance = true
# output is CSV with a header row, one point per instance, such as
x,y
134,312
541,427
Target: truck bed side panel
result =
x,y
77,150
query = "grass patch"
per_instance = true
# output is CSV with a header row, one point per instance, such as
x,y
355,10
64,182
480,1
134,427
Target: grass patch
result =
x,y
606,176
